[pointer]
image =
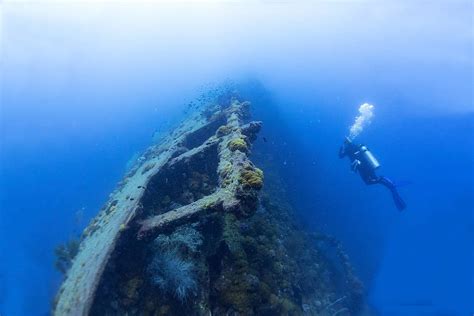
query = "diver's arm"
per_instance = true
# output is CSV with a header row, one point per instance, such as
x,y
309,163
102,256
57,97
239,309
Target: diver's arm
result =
x,y
355,165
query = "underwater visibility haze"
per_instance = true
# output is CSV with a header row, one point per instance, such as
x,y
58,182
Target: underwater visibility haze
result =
x,y
237,158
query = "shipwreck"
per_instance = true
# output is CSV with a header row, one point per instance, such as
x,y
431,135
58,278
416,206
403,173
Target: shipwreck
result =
x,y
194,229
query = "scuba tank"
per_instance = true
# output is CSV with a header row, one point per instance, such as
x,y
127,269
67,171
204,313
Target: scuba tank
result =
x,y
367,156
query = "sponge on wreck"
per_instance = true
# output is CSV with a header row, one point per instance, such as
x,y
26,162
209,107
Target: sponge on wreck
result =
x,y
238,144
252,178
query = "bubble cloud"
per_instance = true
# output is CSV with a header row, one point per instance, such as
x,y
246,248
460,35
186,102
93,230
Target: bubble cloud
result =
x,y
366,111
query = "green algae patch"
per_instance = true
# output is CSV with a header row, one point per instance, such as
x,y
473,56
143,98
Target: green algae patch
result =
x,y
226,170
237,285
252,178
238,144
224,130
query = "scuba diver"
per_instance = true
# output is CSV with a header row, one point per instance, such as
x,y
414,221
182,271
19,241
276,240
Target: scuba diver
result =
x,y
365,163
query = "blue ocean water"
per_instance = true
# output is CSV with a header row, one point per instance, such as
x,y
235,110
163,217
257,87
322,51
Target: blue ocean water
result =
x,y
86,86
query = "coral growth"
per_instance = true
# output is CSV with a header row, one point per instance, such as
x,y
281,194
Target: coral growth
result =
x,y
252,178
257,275
173,275
223,130
238,144
130,290
225,264
172,268
65,253
184,238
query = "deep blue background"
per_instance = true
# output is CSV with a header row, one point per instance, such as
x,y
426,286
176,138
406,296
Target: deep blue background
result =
x,y
84,87
416,262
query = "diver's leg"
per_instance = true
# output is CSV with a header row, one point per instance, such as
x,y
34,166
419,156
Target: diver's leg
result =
x,y
399,203
369,176
370,181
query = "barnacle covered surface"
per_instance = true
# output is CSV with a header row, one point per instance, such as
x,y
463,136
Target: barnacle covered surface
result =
x,y
189,232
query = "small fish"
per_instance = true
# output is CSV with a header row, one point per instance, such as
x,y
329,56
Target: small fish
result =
x,y
264,139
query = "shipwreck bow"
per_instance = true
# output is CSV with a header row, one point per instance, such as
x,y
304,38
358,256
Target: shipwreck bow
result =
x,y
215,137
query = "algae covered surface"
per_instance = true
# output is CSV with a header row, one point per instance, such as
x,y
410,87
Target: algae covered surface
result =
x,y
196,228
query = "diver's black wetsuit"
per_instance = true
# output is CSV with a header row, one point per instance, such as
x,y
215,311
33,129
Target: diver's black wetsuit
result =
x,y
367,171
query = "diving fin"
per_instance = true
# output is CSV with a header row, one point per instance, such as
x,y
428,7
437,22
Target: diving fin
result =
x,y
399,203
